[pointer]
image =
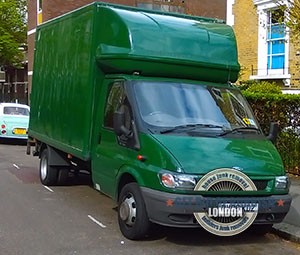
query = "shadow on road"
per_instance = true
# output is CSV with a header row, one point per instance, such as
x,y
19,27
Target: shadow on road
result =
x,y
12,141
200,237
78,178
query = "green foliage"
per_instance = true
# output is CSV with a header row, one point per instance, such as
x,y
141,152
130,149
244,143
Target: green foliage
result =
x,y
12,31
292,20
284,109
243,85
265,87
260,87
288,145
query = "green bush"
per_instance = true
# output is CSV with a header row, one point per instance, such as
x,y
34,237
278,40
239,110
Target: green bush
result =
x,y
281,108
260,87
288,145
284,109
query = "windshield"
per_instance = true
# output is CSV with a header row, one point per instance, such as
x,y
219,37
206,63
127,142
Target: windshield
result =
x,y
166,105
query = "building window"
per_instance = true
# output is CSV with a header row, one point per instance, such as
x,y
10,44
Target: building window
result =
x,y
40,5
276,39
2,74
161,5
273,42
39,11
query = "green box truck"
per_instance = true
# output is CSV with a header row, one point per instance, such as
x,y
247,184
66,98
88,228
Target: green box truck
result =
x,y
144,101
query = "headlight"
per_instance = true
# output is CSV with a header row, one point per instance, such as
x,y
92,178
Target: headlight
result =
x,y
282,182
177,180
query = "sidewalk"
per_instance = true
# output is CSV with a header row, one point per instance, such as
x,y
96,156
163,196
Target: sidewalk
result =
x,y
290,227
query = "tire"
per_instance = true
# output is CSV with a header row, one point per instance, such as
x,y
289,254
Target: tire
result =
x,y
132,215
48,174
62,176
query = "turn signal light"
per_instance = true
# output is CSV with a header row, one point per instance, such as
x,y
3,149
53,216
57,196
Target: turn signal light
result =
x,y
2,126
141,158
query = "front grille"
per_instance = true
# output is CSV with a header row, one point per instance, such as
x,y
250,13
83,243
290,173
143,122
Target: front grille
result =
x,y
225,186
260,184
230,186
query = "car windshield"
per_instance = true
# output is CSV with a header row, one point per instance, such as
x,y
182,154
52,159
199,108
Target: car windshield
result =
x,y
175,105
15,110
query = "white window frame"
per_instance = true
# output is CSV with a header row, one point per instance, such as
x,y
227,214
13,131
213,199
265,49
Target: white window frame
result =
x,y
229,12
263,7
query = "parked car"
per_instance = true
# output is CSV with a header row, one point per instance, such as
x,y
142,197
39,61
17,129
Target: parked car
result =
x,y
14,119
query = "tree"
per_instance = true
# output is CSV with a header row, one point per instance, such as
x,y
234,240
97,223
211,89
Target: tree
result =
x,y
12,32
292,17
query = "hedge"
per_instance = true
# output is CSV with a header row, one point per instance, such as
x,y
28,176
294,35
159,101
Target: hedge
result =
x,y
284,109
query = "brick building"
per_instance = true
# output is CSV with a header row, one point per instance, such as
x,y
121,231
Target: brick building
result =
x,y
43,10
265,45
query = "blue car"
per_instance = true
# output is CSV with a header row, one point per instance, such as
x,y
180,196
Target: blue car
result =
x,y
14,119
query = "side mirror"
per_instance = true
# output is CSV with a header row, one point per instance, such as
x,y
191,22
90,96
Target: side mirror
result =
x,y
119,128
273,133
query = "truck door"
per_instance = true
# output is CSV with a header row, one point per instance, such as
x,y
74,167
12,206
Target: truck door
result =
x,y
112,152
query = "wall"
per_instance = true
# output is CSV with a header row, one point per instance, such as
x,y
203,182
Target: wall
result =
x,y
206,8
54,8
246,30
295,62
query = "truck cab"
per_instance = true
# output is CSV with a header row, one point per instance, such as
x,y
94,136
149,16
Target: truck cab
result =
x,y
195,154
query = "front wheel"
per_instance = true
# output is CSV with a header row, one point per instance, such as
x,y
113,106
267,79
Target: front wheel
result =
x,y
48,174
132,215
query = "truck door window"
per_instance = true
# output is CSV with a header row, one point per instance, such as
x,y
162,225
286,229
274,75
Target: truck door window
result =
x,y
115,99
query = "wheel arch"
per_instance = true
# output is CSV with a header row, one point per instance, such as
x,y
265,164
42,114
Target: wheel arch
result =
x,y
127,175
55,156
42,147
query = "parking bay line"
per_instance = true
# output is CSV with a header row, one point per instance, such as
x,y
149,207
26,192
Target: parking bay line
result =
x,y
47,188
16,166
96,221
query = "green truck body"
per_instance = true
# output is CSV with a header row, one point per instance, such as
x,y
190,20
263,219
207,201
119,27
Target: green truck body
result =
x,y
144,101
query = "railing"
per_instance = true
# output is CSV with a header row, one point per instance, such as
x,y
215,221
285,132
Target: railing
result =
x,y
267,71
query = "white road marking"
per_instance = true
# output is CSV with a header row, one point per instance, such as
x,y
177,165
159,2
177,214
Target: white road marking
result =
x,y
16,166
46,187
97,222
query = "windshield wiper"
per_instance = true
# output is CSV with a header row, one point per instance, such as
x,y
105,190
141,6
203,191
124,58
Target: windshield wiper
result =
x,y
188,127
240,129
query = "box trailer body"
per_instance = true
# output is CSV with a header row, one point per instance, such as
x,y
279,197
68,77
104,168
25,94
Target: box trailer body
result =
x,y
144,100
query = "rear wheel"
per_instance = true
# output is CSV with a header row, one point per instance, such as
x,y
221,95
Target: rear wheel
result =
x,y
132,215
48,174
62,176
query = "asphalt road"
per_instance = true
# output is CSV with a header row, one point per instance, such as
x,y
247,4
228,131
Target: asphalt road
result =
x,y
76,219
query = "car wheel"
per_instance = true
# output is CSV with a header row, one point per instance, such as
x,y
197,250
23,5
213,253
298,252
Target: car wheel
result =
x,y
132,215
48,174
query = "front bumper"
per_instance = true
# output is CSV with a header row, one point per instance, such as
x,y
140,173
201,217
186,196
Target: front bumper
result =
x,y
178,210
